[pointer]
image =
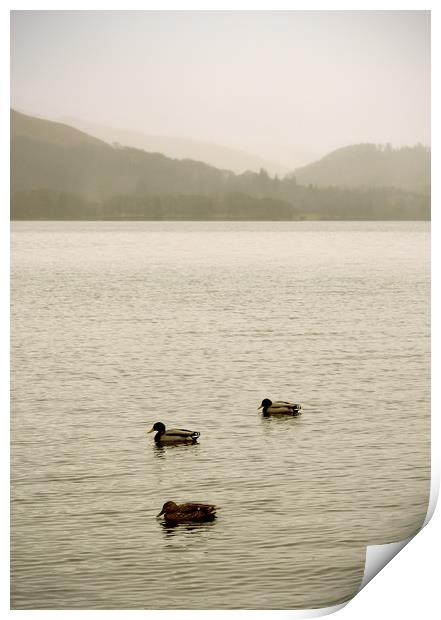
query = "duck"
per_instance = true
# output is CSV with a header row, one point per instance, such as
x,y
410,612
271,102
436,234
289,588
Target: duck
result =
x,y
187,513
173,435
280,406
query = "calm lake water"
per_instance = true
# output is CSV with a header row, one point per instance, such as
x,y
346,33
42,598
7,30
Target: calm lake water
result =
x,y
117,325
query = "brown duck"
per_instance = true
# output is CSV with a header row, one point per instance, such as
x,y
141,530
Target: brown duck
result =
x,y
187,513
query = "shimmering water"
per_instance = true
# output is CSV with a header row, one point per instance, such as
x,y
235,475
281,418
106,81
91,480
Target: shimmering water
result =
x,y
118,325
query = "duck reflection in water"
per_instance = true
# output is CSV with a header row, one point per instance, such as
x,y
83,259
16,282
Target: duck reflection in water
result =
x,y
274,422
160,451
172,530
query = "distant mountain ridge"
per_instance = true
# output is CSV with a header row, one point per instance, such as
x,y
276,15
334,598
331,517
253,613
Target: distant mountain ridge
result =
x,y
58,172
371,165
175,147
45,154
48,131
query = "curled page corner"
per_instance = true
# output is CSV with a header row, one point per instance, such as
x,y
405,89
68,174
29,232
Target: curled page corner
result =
x,y
294,613
377,556
321,611
434,492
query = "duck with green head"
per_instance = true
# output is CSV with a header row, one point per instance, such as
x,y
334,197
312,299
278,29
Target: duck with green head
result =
x,y
173,435
279,407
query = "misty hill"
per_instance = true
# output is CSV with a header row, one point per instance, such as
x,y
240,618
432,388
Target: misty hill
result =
x,y
182,148
48,131
58,172
54,156
371,165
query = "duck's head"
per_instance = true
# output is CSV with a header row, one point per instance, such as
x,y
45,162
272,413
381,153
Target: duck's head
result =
x,y
266,402
158,426
166,507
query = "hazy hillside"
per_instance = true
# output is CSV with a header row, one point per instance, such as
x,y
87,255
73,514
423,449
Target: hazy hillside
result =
x,y
55,156
371,165
48,131
182,148
58,172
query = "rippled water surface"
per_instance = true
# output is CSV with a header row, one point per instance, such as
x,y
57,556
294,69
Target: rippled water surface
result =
x,y
118,325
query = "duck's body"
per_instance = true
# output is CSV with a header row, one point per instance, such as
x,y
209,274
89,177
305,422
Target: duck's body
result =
x,y
280,407
173,435
187,513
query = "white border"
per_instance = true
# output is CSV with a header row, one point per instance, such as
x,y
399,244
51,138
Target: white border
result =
x,y
407,586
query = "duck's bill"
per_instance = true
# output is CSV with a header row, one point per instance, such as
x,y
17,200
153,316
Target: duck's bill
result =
x,y
151,430
161,513
259,407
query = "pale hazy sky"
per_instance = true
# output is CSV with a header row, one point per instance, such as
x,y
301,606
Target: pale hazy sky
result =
x,y
249,79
